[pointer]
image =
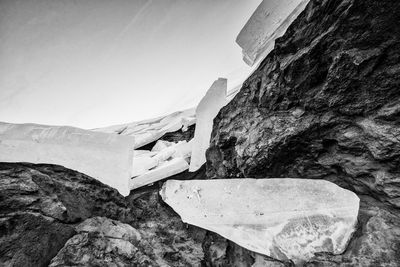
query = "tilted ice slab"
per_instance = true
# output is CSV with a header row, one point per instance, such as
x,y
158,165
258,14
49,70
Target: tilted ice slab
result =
x,y
106,157
165,170
148,131
166,159
206,111
270,21
280,218
151,130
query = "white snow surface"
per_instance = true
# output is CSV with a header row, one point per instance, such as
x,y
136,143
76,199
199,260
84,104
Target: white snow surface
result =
x,y
269,22
206,111
280,218
106,157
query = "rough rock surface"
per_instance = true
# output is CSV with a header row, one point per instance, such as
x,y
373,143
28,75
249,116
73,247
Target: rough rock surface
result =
x,y
50,213
102,242
169,241
325,104
39,203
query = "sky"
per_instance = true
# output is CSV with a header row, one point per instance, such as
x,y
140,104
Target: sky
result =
x,y
95,63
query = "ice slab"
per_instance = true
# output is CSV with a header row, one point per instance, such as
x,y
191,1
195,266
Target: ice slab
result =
x,y
165,170
206,111
280,218
148,166
161,144
148,131
106,157
270,21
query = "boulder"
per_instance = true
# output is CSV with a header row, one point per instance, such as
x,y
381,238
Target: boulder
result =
x,y
41,203
102,242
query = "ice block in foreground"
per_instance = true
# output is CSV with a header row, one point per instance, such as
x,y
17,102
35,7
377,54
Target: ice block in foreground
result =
x,y
270,21
280,218
106,157
206,111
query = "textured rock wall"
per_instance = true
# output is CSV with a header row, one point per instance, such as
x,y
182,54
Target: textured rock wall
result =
x,y
53,215
325,104
39,205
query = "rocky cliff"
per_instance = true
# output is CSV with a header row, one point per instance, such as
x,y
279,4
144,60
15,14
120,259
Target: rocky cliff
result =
x,y
50,215
325,104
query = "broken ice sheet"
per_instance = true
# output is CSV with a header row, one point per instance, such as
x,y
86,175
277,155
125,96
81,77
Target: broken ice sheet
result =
x,y
151,130
106,157
270,21
164,170
206,111
281,218
165,159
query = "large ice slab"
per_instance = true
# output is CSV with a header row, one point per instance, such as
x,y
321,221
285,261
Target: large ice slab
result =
x,y
148,131
270,21
280,218
106,157
206,111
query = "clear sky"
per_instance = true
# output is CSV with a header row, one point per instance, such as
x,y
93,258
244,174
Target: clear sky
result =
x,y
93,63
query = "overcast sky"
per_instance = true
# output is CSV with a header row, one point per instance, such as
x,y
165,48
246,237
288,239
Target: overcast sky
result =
x,y
93,63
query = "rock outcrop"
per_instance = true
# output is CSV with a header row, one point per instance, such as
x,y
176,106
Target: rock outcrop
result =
x,y
168,240
325,104
39,205
102,242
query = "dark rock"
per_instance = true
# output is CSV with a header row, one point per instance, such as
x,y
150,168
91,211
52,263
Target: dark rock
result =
x,y
103,242
325,104
170,241
31,239
39,203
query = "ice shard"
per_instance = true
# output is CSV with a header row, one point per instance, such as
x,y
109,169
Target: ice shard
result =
x,y
270,21
206,111
164,170
106,157
281,218
166,160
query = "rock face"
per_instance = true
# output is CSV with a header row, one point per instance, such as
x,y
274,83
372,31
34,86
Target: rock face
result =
x,y
287,219
325,104
39,204
165,238
102,242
